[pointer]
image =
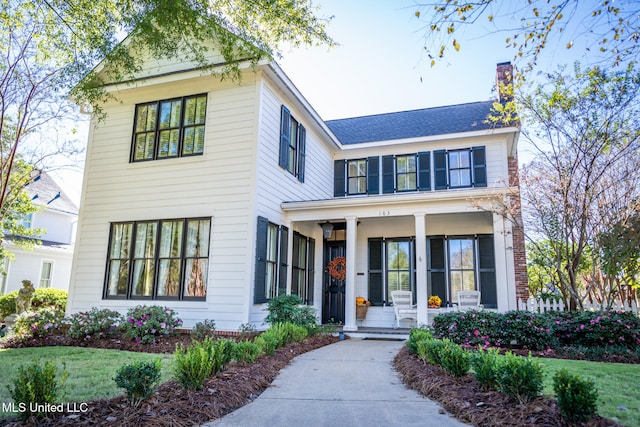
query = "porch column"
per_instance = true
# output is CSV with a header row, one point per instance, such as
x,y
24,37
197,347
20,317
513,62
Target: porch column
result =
x,y
421,268
504,294
350,284
289,224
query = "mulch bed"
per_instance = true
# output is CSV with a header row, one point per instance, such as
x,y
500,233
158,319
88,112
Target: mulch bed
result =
x,y
467,401
173,405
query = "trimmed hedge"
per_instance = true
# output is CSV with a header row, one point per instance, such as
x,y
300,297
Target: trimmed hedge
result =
x,y
538,331
43,297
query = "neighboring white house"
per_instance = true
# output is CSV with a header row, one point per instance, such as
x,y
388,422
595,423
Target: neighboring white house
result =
x,y
48,265
208,196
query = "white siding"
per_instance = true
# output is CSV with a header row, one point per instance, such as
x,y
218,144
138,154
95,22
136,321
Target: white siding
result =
x,y
58,226
217,184
28,264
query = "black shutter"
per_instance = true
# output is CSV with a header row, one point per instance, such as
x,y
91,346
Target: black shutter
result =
x,y
376,282
478,157
311,269
284,245
424,171
487,269
339,178
302,146
373,175
285,130
440,169
259,295
388,175
295,285
436,270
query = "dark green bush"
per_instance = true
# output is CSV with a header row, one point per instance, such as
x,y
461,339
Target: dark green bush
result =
x,y
195,363
246,352
520,378
201,330
597,329
431,351
139,379
485,367
37,384
145,323
527,329
223,350
470,328
43,297
416,335
289,308
454,359
577,398
94,324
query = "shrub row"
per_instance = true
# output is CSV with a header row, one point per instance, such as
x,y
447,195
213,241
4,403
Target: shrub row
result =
x,y
42,297
540,330
520,378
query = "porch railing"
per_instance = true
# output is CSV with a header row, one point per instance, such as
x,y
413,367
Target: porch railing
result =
x,y
540,306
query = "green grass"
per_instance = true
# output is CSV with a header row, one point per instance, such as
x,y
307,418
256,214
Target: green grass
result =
x,y
617,385
91,370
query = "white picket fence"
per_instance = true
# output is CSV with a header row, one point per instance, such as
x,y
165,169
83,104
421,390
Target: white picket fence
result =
x,y
540,306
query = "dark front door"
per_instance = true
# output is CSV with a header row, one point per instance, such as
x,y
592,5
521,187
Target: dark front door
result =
x,y
333,299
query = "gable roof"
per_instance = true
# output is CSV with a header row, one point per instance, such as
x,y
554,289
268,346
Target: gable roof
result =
x,y
43,190
415,123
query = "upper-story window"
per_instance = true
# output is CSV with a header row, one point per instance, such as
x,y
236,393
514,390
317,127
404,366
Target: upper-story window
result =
x,y
406,173
357,176
169,128
460,168
292,144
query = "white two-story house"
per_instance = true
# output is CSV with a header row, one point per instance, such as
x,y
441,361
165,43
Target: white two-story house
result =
x,y
211,197
47,264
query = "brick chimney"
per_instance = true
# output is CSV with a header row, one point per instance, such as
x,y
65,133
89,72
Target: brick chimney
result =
x,y
504,77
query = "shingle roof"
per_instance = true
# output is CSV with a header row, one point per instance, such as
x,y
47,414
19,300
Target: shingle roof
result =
x,y
410,124
45,191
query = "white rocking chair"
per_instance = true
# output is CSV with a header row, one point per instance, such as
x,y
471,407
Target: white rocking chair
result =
x,y
469,300
403,306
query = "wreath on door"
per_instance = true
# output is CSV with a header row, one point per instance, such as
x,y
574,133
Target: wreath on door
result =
x,y
338,268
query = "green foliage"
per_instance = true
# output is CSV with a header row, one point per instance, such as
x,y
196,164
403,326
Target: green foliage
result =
x,y
268,343
43,297
288,332
415,336
145,323
50,297
454,359
485,367
430,351
38,324
520,378
577,398
246,352
201,330
470,327
597,329
37,384
139,379
223,353
94,324
289,308
195,363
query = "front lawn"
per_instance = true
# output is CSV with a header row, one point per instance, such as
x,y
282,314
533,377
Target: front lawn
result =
x,y
616,384
91,370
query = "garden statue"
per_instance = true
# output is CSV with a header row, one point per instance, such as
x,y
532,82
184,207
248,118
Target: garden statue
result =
x,y
23,300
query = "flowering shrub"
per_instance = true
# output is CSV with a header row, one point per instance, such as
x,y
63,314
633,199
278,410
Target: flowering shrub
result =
x,y
539,331
94,324
144,323
39,324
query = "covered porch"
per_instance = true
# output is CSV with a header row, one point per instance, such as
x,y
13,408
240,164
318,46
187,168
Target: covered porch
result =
x,y
404,242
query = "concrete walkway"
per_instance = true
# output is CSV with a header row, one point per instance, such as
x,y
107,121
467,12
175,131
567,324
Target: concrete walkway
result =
x,y
349,383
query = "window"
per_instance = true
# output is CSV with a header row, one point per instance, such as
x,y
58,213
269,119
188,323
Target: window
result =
x,y
302,269
165,259
46,273
462,263
391,268
408,172
460,168
357,176
271,260
169,128
27,220
292,144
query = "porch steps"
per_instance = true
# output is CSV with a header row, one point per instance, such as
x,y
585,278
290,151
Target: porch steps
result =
x,y
363,332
